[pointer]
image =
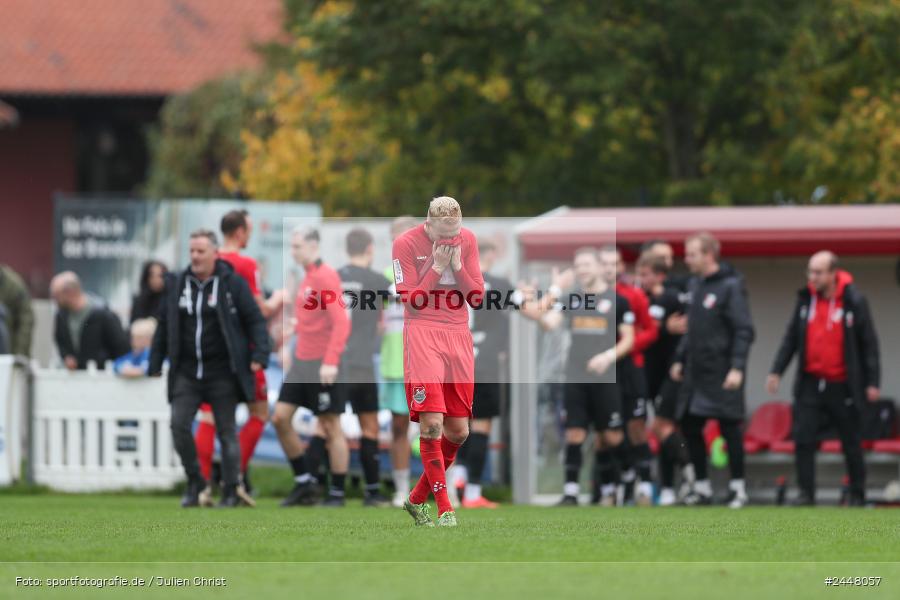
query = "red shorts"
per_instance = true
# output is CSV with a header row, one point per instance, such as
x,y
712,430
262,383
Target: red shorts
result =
x,y
438,369
261,392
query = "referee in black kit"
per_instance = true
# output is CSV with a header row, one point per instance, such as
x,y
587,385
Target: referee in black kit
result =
x,y
838,370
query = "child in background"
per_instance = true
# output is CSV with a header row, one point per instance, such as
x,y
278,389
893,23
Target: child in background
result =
x,y
135,363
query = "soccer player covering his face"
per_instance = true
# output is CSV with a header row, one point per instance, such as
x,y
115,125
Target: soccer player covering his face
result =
x,y
437,272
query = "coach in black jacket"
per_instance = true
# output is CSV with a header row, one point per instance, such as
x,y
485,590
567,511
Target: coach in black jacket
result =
x,y
214,336
838,370
711,360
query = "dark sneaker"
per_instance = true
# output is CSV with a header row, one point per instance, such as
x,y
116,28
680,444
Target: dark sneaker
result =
x,y
303,494
191,497
333,502
856,500
803,499
568,501
376,501
230,497
696,499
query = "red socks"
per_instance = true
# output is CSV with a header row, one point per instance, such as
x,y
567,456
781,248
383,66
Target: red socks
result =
x,y
205,440
248,438
437,455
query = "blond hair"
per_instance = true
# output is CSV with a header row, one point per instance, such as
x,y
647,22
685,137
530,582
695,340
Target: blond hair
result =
x,y
144,327
444,208
708,243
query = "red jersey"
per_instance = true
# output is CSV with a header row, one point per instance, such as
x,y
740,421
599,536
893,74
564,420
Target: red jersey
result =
x,y
824,352
427,295
646,329
322,324
246,267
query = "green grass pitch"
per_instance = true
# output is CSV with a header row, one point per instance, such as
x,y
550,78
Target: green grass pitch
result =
x,y
513,552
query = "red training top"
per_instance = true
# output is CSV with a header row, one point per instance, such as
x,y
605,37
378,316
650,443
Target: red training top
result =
x,y
427,296
246,267
322,325
646,329
825,333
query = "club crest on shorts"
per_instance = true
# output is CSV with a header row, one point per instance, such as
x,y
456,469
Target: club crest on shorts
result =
x,y
419,394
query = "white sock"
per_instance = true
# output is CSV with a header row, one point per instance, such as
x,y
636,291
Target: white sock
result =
x,y
571,488
688,473
473,491
401,480
305,478
703,487
645,488
607,489
460,474
737,486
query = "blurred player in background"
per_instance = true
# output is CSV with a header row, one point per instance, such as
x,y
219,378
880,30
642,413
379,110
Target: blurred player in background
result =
x,y
668,310
392,395
490,333
437,273
364,291
632,381
322,329
602,333
236,228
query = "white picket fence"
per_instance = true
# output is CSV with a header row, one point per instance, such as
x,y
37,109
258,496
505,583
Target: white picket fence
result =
x,y
94,431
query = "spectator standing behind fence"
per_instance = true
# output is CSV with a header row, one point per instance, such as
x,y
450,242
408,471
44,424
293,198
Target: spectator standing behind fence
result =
x,y
711,360
838,370
214,336
16,316
150,291
85,329
137,362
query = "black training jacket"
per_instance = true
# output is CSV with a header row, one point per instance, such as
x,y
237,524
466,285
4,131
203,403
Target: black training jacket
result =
x,y
861,353
240,319
720,333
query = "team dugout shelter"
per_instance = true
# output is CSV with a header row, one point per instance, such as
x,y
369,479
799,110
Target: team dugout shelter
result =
x,y
769,245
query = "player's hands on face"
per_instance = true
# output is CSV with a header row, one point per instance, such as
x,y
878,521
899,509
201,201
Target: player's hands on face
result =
x,y
456,258
599,363
733,379
442,255
676,373
328,374
677,324
873,393
773,382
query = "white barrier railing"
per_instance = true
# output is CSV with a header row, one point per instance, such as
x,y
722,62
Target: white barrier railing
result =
x,y
94,431
13,402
